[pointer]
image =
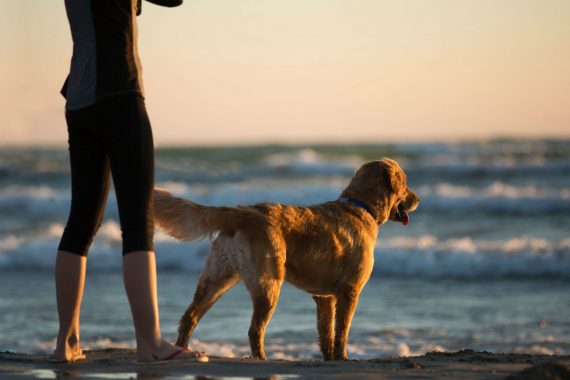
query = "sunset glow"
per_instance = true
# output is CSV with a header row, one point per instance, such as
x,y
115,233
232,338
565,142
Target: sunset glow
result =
x,y
227,72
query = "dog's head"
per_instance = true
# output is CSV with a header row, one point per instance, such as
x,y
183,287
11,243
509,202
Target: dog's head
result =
x,y
381,185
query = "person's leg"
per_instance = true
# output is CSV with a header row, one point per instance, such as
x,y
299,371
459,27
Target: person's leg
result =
x,y
139,271
89,188
69,282
131,154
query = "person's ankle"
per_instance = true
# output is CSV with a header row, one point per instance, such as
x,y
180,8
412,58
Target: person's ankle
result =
x,y
68,349
66,339
150,348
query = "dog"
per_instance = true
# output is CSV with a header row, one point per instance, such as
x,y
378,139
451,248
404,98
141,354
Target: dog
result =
x,y
326,250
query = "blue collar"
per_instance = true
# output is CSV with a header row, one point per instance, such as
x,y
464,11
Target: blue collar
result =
x,y
358,203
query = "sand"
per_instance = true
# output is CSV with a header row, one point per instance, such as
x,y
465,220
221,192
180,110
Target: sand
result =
x,y
120,364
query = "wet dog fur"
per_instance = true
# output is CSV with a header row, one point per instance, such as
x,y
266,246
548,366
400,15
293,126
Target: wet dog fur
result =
x,y
326,250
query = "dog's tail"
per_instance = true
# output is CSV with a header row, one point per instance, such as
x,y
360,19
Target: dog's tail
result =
x,y
186,220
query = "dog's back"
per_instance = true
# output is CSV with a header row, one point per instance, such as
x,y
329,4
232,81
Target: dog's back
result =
x,y
310,230
317,244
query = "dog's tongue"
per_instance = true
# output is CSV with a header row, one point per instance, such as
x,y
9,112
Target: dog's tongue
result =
x,y
406,218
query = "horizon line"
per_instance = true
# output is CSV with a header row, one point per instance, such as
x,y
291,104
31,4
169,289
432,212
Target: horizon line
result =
x,y
309,142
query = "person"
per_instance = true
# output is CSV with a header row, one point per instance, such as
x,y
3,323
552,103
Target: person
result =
x,y
109,135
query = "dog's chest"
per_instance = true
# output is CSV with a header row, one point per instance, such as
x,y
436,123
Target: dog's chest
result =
x,y
313,276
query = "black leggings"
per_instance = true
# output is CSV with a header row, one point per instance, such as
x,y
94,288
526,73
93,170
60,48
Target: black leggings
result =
x,y
112,136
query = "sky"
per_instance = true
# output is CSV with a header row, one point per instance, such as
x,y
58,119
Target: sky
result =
x,y
220,72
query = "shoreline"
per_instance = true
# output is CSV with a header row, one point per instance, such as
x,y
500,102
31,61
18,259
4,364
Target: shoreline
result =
x,y
120,363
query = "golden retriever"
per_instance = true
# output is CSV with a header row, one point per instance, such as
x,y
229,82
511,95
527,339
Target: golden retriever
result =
x,y
326,250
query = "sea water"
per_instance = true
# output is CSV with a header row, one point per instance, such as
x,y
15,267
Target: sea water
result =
x,y
484,263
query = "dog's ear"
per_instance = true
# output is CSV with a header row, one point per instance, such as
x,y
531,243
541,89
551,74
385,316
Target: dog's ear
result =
x,y
393,173
380,175
366,176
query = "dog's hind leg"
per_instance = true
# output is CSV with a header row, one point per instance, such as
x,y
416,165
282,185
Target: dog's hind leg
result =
x,y
218,277
325,324
264,297
262,269
207,293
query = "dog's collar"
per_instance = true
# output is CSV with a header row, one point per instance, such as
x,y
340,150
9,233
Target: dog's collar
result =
x,y
358,203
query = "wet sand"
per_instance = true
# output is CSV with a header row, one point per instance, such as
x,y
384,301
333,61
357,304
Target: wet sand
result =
x,y
120,364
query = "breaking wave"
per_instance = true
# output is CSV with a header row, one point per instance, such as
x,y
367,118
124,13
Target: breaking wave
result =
x,y
425,256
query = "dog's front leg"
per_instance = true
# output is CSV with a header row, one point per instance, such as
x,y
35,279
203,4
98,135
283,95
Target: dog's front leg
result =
x,y
345,307
325,324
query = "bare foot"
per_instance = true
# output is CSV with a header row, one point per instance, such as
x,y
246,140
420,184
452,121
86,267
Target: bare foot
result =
x,y
168,351
67,354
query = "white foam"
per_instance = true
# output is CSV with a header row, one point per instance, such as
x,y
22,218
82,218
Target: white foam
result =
x,y
278,349
175,187
309,161
495,190
258,191
38,191
10,243
26,204
428,256
110,231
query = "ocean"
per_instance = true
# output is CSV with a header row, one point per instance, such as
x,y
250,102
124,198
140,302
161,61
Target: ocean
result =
x,y
484,263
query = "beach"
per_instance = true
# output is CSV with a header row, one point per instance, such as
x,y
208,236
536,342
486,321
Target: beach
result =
x,y
484,264
120,364
271,123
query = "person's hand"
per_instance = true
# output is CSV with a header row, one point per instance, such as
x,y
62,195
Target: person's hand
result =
x,y
166,3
